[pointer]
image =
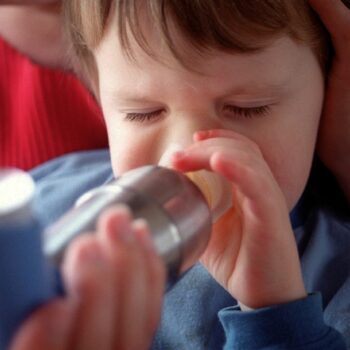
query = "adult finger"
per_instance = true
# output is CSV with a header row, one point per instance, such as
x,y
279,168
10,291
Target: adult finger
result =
x,y
334,14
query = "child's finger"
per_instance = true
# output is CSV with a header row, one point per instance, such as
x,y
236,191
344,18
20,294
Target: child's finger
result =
x,y
48,328
252,178
214,133
89,282
237,159
205,155
225,133
198,155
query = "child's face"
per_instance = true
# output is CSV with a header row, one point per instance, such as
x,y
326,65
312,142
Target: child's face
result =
x,y
273,97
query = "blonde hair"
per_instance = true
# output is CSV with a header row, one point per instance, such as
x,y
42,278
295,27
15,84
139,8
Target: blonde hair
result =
x,y
228,25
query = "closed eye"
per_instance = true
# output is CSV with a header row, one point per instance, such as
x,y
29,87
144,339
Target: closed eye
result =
x,y
247,112
143,117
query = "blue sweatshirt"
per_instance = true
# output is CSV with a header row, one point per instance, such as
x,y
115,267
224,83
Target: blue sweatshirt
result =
x,y
197,312
297,325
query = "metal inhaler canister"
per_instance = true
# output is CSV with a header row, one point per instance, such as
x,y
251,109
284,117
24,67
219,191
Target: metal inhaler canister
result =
x,y
175,209
25,278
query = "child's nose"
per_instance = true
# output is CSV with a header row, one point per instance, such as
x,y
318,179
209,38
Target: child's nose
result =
x,y
194,120
180,134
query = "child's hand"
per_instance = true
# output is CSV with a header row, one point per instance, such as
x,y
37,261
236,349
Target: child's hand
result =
x,y
252,252
334,138
114,282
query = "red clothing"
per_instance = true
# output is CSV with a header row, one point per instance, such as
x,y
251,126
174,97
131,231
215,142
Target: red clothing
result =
x,y
44,113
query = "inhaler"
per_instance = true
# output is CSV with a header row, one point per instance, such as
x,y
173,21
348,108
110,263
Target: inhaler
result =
x,y
179,209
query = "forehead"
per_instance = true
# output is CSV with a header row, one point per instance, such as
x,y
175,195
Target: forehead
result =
x,y
277,65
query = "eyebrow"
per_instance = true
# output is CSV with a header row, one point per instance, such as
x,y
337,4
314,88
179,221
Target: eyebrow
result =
x,y
267,88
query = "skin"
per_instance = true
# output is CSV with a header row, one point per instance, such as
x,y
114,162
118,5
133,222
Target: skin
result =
x,y
54,321
34,28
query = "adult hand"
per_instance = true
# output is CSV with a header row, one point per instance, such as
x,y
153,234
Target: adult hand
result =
x,y
334,136
34,28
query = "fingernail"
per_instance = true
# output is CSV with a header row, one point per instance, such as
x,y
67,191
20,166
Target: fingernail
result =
x,y
178,155
198,135
124,234
120,230
123,231
165,159
143,234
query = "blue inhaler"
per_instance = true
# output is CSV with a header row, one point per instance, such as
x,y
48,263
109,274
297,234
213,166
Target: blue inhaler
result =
x,y
25,278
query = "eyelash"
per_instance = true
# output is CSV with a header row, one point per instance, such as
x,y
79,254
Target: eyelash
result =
x,y
143,117
248,112
240,111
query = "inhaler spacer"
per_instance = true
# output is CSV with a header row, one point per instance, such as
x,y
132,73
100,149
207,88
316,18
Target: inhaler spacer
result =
x,y
173,206
179,209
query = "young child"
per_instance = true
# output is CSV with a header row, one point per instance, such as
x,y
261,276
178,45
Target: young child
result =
x,y
241,84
